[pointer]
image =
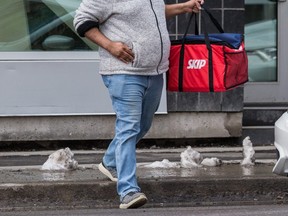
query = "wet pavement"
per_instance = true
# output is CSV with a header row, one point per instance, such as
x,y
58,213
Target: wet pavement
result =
x,y
91,173
24,186
13,159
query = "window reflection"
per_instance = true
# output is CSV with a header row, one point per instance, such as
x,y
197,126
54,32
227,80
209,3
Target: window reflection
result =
x,y
40,25
261,39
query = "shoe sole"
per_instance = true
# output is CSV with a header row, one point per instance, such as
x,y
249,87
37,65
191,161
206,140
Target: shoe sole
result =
x,y
136,203
106,172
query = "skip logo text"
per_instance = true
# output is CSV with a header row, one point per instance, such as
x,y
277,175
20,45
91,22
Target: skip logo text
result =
x,y
196,63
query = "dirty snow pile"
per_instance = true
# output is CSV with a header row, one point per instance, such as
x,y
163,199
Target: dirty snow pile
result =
x,y
212,162
191,158
163,164
248,153
62,159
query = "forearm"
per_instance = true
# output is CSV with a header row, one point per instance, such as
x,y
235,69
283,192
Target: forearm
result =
x,y
185,7
116,48
96,36
174,9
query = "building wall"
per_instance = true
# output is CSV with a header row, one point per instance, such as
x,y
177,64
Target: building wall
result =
x,y
190,115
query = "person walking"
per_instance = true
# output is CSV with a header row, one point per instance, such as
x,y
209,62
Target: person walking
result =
x,y
134,49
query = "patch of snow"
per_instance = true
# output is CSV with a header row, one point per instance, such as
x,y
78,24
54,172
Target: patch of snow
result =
x,y
190,158
154,147
62,159
248,153
165,163
211,162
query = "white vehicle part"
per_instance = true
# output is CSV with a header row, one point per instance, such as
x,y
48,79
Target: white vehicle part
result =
x,y
281,143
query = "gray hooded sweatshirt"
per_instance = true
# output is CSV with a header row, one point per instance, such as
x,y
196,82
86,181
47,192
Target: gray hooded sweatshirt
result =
x,y
141,24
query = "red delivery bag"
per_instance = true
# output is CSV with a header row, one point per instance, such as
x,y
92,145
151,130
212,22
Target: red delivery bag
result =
x,y
208,62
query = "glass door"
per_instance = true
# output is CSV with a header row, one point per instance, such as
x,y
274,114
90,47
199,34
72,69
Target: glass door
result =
x,y
45,67
267,48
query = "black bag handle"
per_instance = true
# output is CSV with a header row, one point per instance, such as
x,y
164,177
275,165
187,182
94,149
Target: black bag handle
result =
x,y
208,45
212,18
181,59
210,56
215,22
189,24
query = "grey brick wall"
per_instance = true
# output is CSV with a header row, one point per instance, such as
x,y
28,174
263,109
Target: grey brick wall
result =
x,y
230,14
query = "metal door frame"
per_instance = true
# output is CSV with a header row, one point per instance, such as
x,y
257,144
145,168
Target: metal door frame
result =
x,y
274,92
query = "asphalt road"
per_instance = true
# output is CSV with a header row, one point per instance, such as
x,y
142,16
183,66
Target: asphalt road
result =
x,y
256,210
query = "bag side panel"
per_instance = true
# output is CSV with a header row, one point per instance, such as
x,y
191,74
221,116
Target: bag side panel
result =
x,y
236,66
173,73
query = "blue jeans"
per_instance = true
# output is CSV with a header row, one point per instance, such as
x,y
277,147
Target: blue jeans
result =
x,y
135,100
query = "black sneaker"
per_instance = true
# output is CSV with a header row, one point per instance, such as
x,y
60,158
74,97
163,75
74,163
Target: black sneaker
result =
x,y
110,173
133,200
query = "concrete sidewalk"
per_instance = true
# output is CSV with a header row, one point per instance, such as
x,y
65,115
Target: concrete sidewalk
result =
x,y
24,186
